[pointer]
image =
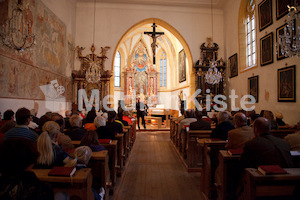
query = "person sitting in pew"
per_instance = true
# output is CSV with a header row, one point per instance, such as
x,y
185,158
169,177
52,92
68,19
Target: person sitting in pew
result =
x,y
102,130
50,153
75,132
120,118
112,125
82,157
17,181
200,124
294,139
265,149
126,117
279,118
91,140
189,117
21,130
88,122
241,134
63,140
221,130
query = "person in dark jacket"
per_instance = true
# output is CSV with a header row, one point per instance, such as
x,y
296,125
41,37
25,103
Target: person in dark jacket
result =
x,y
75,132
221,130
17,181
199,124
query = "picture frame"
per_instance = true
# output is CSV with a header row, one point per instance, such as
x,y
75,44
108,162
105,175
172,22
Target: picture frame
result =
x,y
280,31
253,87
286,78
266,49
265,14
281,8
182,66
233,65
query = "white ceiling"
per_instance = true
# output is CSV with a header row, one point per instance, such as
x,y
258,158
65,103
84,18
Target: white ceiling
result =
x,y
186,3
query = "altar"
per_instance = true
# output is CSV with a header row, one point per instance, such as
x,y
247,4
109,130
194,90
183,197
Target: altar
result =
x,y
140,77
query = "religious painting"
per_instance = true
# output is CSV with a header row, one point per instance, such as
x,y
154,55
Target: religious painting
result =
x,y
253,87
140,59
233,66
51,43
265,14
281,8
287,84
280,31
266,49
182,66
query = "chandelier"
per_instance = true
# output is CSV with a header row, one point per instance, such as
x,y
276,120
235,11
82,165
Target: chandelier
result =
x,y
16,32
93,73
213,76
289,41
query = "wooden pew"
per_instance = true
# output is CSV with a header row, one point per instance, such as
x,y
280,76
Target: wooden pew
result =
x,y
133,135
126,143
113,156
210,163
281,133
280,186
112,152
172,128
100,171
194,151
80,185
120,162
128,137
228,165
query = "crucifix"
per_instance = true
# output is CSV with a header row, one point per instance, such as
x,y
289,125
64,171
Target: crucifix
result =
x,y
154,35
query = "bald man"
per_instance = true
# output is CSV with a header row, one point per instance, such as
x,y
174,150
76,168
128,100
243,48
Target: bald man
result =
x,y
241,134
265,149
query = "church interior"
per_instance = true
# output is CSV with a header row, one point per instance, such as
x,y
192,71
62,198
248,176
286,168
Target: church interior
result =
x,y
155,61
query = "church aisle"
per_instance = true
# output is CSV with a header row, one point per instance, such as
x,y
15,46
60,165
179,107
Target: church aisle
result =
x,y
154,171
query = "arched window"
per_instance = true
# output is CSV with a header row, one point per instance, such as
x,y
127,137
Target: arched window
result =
x,y
163,70
247,35
117,69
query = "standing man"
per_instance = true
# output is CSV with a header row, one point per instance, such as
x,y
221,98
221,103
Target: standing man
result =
x,y
140,108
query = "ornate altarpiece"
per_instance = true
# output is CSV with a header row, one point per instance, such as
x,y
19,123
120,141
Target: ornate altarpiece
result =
x,y
140,78
79,78
209,52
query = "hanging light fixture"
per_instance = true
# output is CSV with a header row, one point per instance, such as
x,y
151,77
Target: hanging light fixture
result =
x,y
16,32
93,72
213,76
289,41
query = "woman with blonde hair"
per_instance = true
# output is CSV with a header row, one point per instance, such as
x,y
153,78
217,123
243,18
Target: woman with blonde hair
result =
x,y
82,156
50,153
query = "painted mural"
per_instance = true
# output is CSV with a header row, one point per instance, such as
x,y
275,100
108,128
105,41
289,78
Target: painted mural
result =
x,y
51,59
19,80
51,40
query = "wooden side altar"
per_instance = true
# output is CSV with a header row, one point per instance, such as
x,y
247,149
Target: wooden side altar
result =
x,y
82,81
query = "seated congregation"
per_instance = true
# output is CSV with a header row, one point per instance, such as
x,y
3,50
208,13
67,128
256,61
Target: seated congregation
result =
x,y
205,145
30,144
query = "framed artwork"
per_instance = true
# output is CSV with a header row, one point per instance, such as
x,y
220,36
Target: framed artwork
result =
x,y
266,49
182,66
233,66
253,87
265,14
281,8
287,84
280,31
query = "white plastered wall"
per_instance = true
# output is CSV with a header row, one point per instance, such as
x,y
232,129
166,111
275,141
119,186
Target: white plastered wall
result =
x,y
268,73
